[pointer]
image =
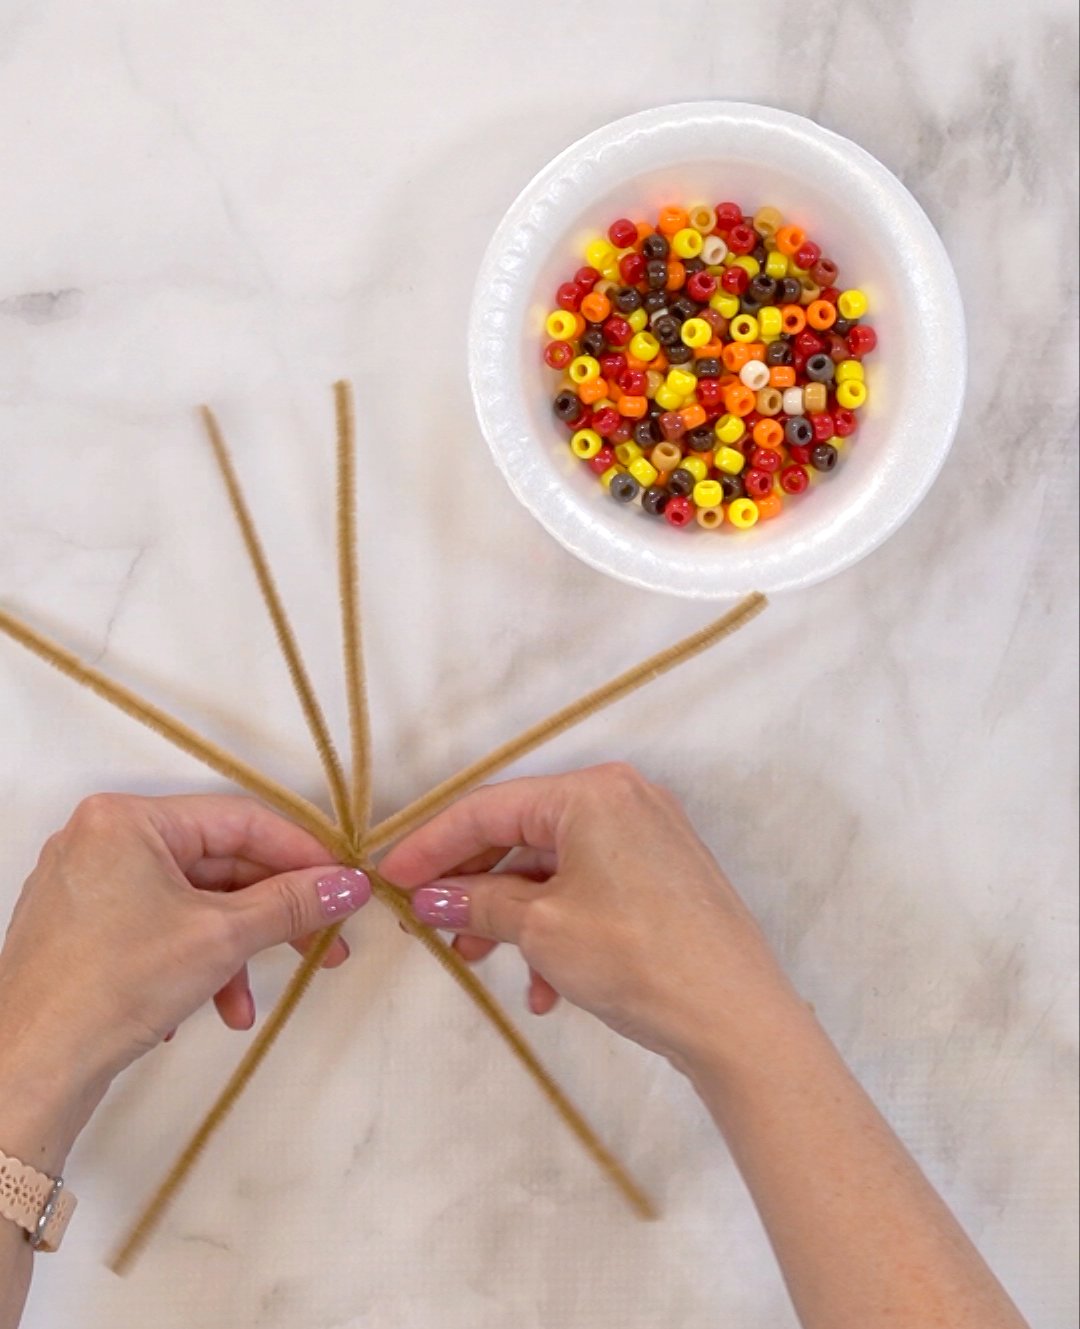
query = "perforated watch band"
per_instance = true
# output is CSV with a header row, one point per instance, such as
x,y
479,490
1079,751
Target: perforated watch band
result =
x,y
37,1203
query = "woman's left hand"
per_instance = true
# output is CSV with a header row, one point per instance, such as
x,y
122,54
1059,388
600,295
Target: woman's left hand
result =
x,y
141,910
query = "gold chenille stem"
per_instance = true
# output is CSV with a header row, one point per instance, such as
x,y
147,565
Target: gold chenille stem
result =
x,y
283,629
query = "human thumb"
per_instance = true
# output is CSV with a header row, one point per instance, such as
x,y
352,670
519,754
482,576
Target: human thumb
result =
x,y
296,904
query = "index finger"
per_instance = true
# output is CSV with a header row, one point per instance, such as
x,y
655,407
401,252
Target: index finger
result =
x,y
196,827
525,812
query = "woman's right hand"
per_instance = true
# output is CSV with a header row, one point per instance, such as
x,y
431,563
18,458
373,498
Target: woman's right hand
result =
x,y
614,901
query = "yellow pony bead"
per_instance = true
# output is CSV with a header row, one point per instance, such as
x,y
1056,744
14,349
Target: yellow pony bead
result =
x,y
586,443
851,394
742,513
610,474
795,271
727,306
729,460
643,471
770,323
708,494
703,218
776,265
697,467
767,221
668,398
852,304
561,325
729,429
599,254
744,328
849,369
748,263
584,369
678,380
628,453
611,272
638,321
643,345
687,243
695,332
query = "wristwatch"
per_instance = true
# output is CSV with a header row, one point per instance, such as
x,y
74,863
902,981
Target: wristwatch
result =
x,y
37,1203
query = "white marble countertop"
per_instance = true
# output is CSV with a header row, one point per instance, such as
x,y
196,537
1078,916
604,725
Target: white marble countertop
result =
x,y
201,203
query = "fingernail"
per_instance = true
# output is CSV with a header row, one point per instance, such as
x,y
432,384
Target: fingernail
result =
x,y
250,1009
441,906
344,892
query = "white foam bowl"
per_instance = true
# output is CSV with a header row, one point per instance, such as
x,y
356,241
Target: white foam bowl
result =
x,y
865,219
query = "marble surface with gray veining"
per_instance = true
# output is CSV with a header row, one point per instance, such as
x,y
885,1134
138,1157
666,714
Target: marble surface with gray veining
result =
x,y
206,201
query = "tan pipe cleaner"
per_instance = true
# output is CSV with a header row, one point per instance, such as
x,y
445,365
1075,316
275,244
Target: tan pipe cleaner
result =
x,y
349,835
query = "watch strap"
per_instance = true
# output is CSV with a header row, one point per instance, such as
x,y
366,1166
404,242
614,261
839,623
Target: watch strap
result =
x,y
37,1203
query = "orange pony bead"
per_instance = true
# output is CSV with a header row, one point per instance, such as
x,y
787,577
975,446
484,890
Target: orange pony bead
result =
x,y
596,307
790,239
739,399
692,416
676,274
768,434
770,506
643,229
712,350
660,360
736,354
633,408
781,376
590,392
792,319
755,350
821,314
672,219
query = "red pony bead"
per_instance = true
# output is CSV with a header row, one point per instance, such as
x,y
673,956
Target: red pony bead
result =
x,y
580,421
701,286
742,239
632,382
603,460
625,431
793,479
558,354
823,425
798,453
830,293
612,365
617,330
632,268
709,391
735,280
749,421
586,278
845,422
758,483
861,340
765,459
622,233
808,343
727,216
568,296
605,422
679,510
807,255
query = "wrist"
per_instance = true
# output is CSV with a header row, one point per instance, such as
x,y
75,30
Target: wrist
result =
x,y
720,1042
49,1089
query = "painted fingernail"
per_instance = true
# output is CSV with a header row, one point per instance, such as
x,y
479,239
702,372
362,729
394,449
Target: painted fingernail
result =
x,y
344,892
442,906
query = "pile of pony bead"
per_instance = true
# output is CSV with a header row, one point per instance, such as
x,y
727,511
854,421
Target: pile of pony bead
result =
x,y
711,366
